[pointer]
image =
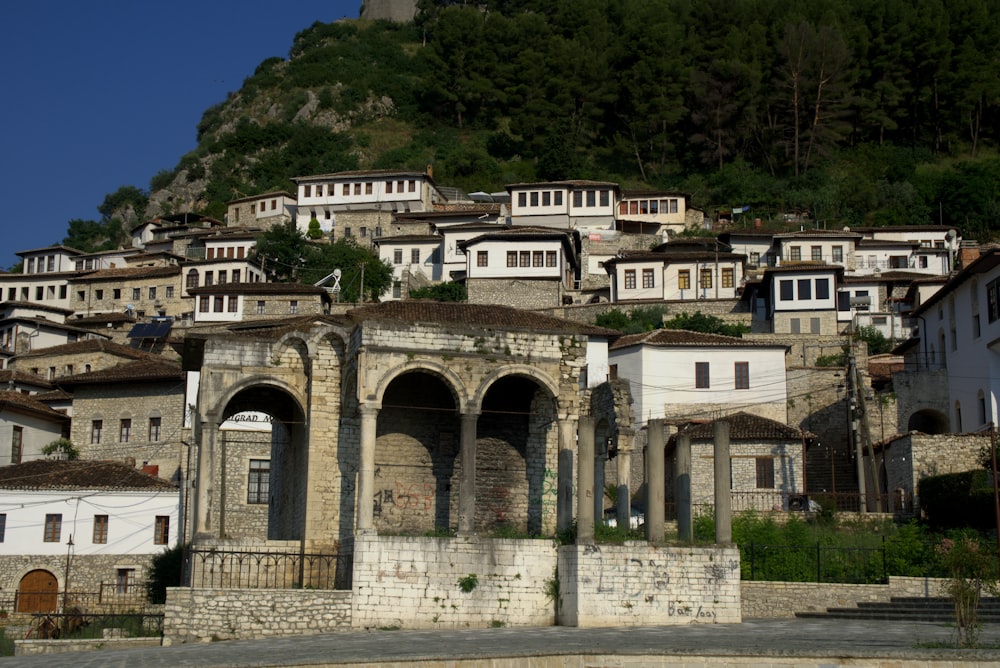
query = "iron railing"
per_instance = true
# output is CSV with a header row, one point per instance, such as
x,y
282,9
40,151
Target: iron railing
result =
x,y
813,563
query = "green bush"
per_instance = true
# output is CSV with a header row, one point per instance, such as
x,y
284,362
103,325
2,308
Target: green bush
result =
x,y
956,500
166,570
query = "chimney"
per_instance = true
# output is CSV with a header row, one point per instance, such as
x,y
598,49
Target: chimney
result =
x,y
430,170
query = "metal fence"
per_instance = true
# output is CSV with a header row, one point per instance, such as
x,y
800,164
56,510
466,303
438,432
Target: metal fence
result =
x,y
813,563
265,569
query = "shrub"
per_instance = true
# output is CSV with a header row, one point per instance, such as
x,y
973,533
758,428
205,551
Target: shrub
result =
x,y
63,445
166,570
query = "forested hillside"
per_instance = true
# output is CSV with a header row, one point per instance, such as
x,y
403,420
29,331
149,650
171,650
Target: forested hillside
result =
x,y
863,112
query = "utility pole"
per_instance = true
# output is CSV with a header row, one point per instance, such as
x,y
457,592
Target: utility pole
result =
x,y
361,290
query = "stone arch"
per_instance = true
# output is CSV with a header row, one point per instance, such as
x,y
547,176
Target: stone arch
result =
x,y
417,443
928,421
447,376
294,352
517,443
281,439
37,591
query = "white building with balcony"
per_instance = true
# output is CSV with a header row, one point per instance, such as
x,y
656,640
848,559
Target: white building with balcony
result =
x,y
581,205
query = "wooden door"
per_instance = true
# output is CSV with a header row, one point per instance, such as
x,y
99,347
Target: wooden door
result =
x,y
38,592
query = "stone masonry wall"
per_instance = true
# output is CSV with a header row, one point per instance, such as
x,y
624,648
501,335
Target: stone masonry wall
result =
x,y
784,599
921,390
728,310
203,615
638,584
243,519
87,572
915,456
518,293
452,582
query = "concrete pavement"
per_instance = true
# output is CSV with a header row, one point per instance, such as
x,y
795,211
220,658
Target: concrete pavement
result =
x,y
820,642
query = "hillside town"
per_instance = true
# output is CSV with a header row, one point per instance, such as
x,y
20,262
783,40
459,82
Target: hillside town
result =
x,y
172,393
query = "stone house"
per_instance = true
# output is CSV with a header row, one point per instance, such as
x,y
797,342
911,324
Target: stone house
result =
x,y
142,291
522,267
261,211
676,374
26,426
235,302
659,212
797,299
766,464
69,359
87,526
25,327
134,411
905,459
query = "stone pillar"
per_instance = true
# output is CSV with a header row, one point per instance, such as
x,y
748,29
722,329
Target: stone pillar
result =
x,y
564,502
626,442
585,482
467,494
723,485
655,483
364,504
207,435
682,487
600,458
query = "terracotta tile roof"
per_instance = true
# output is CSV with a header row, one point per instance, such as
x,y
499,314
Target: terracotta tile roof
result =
x,y
410,239
77,474
475,315
130,273
12,399
102,318
747,427
144,371
816,234
9,375
90,346
675,256
53,396
667,338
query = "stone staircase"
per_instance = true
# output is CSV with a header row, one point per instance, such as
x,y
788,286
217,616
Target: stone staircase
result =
x,y
917,609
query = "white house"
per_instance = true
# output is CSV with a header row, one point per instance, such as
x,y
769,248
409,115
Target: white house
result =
x,y
938,244
582,205
758,247
263,211
958,329
830,246
676,271
235,302
26,426
454,238
102,521
415,260
680,374
798,299
323,196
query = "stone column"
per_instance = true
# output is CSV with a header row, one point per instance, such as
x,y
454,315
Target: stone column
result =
x,y
564,502
626,442
585,482
723,485
208,432
682,487
467,493
655,483
364,504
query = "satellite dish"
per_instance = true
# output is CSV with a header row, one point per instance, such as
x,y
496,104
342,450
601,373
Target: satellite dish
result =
x,y
130,307
336,273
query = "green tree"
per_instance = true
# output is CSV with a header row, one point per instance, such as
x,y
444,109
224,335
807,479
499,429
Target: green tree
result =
x,y
281,250
708,324
62,445
442,292
314,232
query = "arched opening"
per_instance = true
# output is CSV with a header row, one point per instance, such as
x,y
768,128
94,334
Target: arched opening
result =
x,y
38,591
262,475
516,457
416,450
928,421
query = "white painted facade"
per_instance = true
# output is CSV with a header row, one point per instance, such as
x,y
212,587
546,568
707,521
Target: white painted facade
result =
x,y
661,376
646,276
220,272
35,433
131,521
835,248
411,256
804,290
582,205
322,196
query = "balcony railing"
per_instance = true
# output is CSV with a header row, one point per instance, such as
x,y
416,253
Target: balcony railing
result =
x,y
265,569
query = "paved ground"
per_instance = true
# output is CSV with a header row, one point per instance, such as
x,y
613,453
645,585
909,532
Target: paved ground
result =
x,y
836,639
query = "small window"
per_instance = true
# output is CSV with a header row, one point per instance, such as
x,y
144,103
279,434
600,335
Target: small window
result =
x,y
727,277
742,380
53,528
816,253
368,188
648,278
838,253
192,279
534,198
795,325
706,279
3,527
630,279
209,278
524,258
125,431
537,258
217,303
96,427
261,307
482,258
805,288
397,256
259,481
701,377
550,258
397,290
414,256
16,444
511,258
319,190
154,429
100,529
786,290
822,288
125,577
293,306
161,530
98,295
233,304
795,253
522,199
765,473
203,304
306,192
684,279
557,198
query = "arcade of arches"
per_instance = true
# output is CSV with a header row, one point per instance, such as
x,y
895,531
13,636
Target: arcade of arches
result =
x,y
447,419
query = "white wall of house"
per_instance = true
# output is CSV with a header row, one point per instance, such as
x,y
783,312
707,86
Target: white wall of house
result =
x,y
47,260
839,251
637,280
545,258
563,205
660,377
228,248
36,433
416,257
321,197
220,272
131,521
48,289
218,308
804,291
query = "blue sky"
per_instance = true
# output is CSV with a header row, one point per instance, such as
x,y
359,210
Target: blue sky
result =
x,y
106,93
